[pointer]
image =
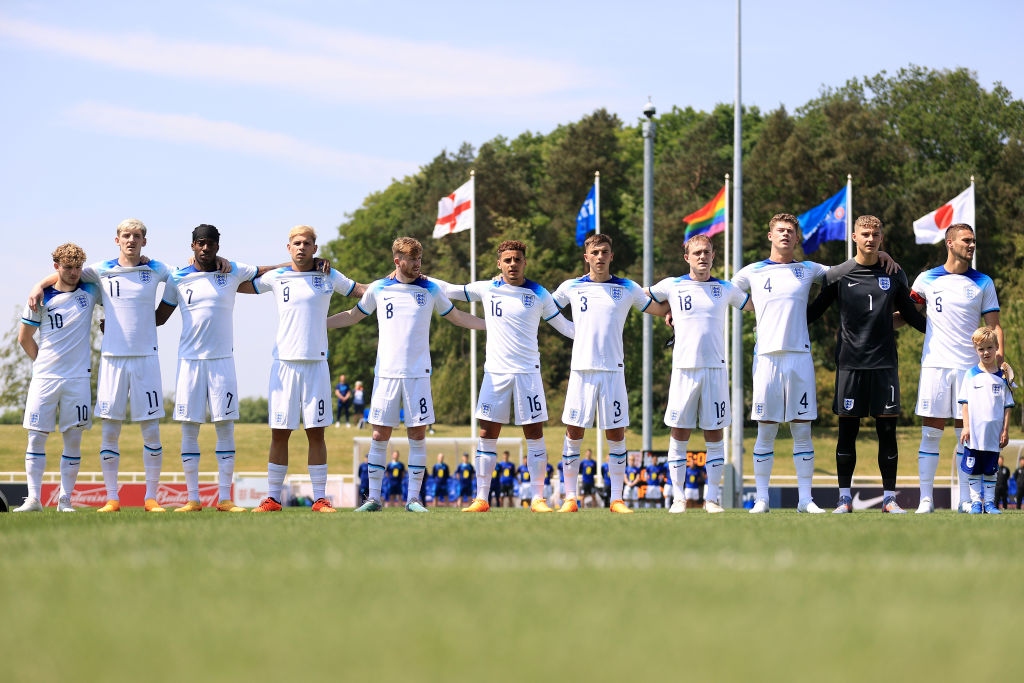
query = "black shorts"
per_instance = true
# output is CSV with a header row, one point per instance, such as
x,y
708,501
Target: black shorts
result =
x,y
588,488
866,393
441,490
508,489
466,489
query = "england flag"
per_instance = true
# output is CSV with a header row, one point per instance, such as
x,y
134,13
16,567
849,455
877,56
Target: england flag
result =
x,y
455,212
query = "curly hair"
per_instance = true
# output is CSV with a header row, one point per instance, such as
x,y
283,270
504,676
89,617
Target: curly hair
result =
x,y
69,254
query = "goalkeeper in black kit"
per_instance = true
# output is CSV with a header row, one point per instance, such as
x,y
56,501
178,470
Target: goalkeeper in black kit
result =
x,y
867,367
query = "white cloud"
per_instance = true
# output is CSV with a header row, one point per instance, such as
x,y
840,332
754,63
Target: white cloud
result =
x,y
332,63
234,137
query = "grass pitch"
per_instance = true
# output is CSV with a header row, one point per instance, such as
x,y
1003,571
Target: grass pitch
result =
x,y
508,595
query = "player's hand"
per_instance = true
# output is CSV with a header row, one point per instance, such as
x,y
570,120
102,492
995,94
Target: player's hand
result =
x,y
322,264
668,320
890,266
965,435
143,260
223,265
1004,438
35,298
103,325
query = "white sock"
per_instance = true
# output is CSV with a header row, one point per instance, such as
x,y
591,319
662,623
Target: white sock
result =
x,y
888,494
677,466
536,464
617,467
803,457
484,462
989,483
275,480
110,457
417,467
961,476
715,464
845,492
225,458
70,461
928,459
318,477
975,487
152,456
571,465
35,462
764,456
376,457
190,458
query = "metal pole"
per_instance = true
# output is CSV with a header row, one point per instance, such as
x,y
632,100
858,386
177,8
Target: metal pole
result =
x,y
726,274
648,133
733,493
597,229
974,198
849,216
472,308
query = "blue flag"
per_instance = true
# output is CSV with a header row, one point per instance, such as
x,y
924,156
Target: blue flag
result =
x,y
826,221
586,219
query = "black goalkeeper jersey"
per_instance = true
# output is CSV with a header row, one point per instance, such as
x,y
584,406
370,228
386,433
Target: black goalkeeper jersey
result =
x,y
867,296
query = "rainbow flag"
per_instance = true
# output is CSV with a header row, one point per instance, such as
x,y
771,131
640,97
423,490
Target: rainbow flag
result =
x,y
709,220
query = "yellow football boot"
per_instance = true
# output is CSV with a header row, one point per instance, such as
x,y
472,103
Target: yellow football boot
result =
x,y
570,505
111,506
478,505
540,505
191,506
153,506
228,506
620,507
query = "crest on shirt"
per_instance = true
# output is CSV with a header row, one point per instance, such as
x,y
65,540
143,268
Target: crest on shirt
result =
x,y
847,404
318,282
82,300
279,418
529,300
220,280
798,273
716,291
970,291
33,419
145,276
884,283
485,409
617,293
421,299
996,389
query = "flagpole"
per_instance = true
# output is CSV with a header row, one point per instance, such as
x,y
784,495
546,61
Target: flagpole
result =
x,y
727,434
849,217
974,210
472,307
733,493
599,446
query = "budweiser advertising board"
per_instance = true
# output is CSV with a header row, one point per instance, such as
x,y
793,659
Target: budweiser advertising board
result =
x,y
131,495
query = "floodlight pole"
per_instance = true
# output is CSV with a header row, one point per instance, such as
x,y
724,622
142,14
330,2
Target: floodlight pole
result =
x,y
733,489
648,133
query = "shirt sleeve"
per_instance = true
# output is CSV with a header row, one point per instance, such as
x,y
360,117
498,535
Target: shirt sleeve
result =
x,y
548,307
961,394
342,283
162,270
33,318
262,283
660,291
640,299
989,300
1007,397
561,295
368,302
91,274
819,272
442,304
737,297
170,295
244,272
918,292
742,280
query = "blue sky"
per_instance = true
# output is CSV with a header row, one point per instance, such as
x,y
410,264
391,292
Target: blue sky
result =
x,y
260,115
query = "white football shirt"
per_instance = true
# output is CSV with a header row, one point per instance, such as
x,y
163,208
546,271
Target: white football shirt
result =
x,y
303,299
207,301
403,323
129,305
780,292
987,396
698,317
513,315
955,304
64,320
599,311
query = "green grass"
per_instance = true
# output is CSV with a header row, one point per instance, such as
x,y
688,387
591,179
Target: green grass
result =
x,y
508,596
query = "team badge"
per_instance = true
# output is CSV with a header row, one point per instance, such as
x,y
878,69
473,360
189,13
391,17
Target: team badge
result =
x,y
529,300
970,291
145,276
847,404
574,415
884,284
674,416
318,281
33,419
758,409
220,279
104,407
716,291
279,418
180,409
485,409
798,273
83,301
377,414
996,389
969,462
924,404
421,299
617,293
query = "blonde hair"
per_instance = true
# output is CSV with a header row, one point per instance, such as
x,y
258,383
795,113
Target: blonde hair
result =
x,y
302,230
70,254
131,224
984,335
406,247
868,222
695,240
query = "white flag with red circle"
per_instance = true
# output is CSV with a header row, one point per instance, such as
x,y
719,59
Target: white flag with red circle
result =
x,y
455,212
931,229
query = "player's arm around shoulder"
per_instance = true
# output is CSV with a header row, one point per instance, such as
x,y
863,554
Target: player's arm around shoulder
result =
x,y
27,337
455,292
656,306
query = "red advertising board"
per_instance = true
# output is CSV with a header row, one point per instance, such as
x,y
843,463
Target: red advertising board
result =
x,y
131,495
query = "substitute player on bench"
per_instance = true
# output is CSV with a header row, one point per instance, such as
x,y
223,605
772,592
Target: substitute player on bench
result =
x,y
60,374
512,388
404,303
699,392
867,366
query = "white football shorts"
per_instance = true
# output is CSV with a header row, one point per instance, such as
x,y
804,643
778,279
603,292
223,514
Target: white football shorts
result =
x,y
784,388
392,394
600,393
698,397
206,381
937,391
300,389
500,393
129,384
45,395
